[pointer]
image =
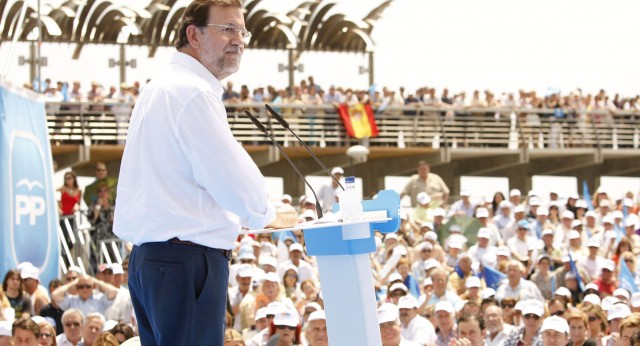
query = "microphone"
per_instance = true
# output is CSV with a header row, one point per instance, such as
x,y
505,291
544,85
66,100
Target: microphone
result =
x,y
263,129
285,124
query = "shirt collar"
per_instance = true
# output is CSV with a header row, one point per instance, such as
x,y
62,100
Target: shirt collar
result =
x,y
196,66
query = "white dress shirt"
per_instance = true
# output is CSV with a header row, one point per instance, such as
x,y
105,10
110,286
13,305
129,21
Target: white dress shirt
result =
x,y
183,174
501,337
419,330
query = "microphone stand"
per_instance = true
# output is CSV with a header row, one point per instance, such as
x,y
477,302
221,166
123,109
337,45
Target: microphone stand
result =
x,y
285,124
295,168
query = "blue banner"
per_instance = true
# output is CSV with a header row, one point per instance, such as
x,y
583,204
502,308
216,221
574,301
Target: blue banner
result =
x,y
626,278
574,269
492,277
586,195
28,210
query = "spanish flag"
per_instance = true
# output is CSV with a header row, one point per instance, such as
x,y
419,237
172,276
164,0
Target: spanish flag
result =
x,y
358,120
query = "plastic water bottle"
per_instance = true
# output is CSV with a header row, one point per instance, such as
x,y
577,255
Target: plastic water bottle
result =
x,y
350,203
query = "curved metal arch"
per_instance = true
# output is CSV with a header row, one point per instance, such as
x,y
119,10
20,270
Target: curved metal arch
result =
x,y
276,37
315,25
375,15
172,27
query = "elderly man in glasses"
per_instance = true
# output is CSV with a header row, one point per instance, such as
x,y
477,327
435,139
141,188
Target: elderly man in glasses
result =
x,y
72,323
87,301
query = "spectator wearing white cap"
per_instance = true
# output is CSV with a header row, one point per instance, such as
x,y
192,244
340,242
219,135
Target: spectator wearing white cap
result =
x,y
440,279
495,238
566,268
634,302
397,291
390,330
414,327
516,286
497,330
529,333
423,212
549,249
521,245
122,307
428,182
606,282
481,247
503,218
592,262
533,204
316,332
555,331
30,282
616,314
445,324
540,222
631,224
286,326
473,287
296,255
575,245
515,198
327,193
244,273
263,329
425,251
464,206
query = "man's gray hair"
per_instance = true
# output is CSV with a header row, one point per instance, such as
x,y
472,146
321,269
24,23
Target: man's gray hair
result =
x,y
516,263
95,316
72,312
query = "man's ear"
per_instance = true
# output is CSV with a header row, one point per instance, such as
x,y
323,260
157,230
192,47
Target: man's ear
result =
x,y
193,36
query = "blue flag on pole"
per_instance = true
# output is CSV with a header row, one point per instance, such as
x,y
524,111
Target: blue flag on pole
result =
x,y
626,278
586,195
492,277
574,269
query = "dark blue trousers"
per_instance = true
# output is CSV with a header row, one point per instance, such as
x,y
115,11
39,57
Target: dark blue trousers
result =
x,y
179,293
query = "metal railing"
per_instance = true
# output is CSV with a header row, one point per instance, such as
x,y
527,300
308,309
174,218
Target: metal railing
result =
x,y
80,249
320,125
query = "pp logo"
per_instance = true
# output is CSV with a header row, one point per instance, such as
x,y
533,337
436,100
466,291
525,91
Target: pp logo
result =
x,y
31,232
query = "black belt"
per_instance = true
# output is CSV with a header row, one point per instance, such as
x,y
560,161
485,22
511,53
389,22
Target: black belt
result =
x,y
225,253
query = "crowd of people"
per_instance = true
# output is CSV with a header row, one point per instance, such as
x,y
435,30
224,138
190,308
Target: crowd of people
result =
x,y
522,269
308,92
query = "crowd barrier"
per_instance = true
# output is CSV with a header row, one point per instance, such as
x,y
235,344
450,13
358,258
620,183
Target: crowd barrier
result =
x,y
412,126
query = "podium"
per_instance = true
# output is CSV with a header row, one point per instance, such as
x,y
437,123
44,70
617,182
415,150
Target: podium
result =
x,y
342,250
342,254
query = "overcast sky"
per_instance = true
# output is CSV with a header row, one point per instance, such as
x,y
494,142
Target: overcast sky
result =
x,y
502,45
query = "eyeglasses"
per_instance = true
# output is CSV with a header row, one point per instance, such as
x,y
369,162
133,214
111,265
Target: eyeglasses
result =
x,y
288,327
558,313
83,287
508,306
72,324
530,316
46,335
69,279
426,250
229,31
629,260
101,169
592,318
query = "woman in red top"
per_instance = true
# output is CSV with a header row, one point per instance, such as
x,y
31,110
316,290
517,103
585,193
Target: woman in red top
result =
x,y
70,195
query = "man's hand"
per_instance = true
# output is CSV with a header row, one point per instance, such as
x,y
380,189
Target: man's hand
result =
x,y
286,217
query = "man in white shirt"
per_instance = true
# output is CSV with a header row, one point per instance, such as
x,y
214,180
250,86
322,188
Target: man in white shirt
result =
x,y
497,330
516,287
390,326
122,308
482,247
463,206
414,327
186,185
327,193
592,263
72,324
305,270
